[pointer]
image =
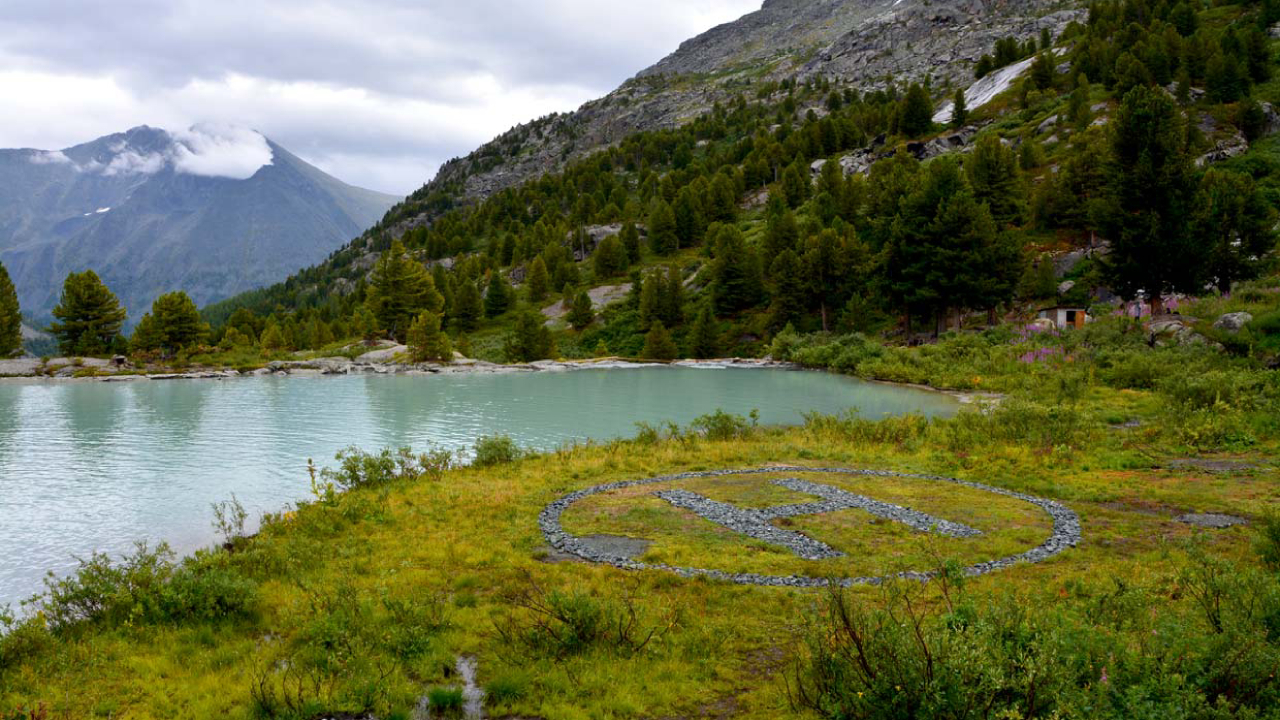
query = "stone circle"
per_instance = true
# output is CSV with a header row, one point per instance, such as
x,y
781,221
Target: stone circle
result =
x,y
755,523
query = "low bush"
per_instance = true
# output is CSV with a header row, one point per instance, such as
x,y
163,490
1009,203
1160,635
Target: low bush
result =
x,y
493,450
558,624
446,701
721,425
926,652
507,688
357,468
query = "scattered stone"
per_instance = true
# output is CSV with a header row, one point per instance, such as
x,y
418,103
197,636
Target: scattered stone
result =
x,y
1214,521
1233,322
1066,287
1219,467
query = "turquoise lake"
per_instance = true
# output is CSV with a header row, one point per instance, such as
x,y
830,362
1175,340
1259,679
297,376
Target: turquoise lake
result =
x,y
89,466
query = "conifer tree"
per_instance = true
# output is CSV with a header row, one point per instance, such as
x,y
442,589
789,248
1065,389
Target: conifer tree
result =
x,y
530,339
468,307
658,344
610,258
917,112
1042,71
537,281
993,175
650,306
1151,195
427,342
363,323
1237,225
630,238
400,290
735,273
959,111
781,231
89,316
795,184
663,239
172,325
704,341
497,298
789,289
671,296
581,312
689,222
10,317
273,339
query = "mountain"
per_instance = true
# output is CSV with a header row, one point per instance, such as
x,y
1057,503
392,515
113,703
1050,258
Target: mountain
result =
x,y
865,44
214,211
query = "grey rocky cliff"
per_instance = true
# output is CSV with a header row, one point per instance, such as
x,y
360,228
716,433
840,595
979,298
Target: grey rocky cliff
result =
x,y
866,44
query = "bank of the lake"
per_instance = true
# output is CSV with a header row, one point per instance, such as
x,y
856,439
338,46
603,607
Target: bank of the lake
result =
x,y
91,466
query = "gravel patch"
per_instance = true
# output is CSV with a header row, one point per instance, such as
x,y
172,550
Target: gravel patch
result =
x,y
1214,521
1218,467
1066,525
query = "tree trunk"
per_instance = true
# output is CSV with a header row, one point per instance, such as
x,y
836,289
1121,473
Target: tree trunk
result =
x,y
824,318
910,334
991,317
1157,305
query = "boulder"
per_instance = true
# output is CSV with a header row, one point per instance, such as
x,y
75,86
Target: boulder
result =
x,y
1233,322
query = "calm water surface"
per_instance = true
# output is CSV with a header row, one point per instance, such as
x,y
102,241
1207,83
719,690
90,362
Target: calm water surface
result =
x,y
90,467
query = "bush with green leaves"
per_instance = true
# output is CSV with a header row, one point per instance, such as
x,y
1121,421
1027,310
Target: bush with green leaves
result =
x,y
493,450
357,468
721,425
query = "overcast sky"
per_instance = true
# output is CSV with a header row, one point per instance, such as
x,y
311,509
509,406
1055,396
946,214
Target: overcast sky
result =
x,y
376,92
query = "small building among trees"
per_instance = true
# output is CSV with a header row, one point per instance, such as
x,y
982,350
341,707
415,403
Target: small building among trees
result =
x,y
1065,316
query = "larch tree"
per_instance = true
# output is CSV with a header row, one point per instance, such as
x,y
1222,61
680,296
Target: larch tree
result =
x,y
10,317
427,342
89,316
173,325
400,290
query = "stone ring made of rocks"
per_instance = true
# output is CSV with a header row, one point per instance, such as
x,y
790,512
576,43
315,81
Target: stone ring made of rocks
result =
x,y
756,523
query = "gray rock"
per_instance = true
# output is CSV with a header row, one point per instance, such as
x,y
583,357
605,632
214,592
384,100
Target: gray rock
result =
x,y
1233,322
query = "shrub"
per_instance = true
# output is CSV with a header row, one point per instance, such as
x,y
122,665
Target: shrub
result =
x,y
1268,541
21,640
358,469
507,688
558,623
721,425
228,520
493,450
446,700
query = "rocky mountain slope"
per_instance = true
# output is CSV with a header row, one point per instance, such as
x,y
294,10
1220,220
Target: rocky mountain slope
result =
x,y
865,44
212,211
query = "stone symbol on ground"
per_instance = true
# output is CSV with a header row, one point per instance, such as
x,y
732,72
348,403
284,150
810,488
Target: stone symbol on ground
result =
x,y
758,523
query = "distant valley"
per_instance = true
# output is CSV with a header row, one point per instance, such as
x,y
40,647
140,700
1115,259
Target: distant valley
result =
x,y
214,211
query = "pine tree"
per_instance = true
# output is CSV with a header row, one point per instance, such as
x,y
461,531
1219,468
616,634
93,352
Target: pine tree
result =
x,y
795,184
89,316
658,344
781,232
1237,225
917,112
735,273
959,111
173,325
10,317
671,297
610,258
993,175
689,222
630,238
704,342
581,312
1151,195
1042,71
663,239
650,306
400,290
537,281
273,339
497,298
530,339
427,342
468,307
788,289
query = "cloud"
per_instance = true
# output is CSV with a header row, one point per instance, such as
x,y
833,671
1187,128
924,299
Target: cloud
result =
x,y
382,91
220,151
57,157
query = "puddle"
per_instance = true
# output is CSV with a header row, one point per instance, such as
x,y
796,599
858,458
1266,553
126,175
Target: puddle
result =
x,y
472,694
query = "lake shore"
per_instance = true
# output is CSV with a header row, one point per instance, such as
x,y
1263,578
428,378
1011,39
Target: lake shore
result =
x,y
384,363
